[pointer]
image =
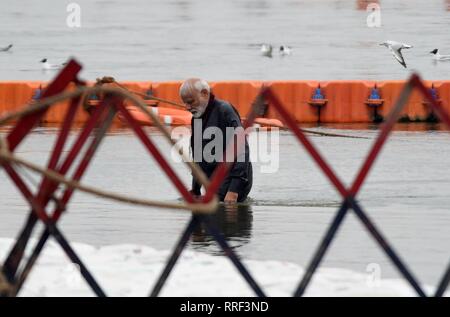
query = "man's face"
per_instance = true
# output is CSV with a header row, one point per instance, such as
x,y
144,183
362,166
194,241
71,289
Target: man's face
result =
x,y
196,102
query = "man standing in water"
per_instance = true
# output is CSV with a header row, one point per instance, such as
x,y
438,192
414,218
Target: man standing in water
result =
x,y
218,118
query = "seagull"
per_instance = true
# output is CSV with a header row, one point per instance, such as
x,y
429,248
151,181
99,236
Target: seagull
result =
x,y
5,49
439,57
47,66
395,48
266,50
285,50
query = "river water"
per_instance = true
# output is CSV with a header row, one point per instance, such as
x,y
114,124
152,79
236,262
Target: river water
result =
x,y
406,193
219,40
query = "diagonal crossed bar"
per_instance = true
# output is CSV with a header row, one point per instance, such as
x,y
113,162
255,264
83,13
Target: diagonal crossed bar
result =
x,y
13,260
101,118
19,132
217,177
443,285
44,195
349,195
66,196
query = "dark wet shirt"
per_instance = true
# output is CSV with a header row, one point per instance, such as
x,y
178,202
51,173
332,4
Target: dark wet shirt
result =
x,y
217,117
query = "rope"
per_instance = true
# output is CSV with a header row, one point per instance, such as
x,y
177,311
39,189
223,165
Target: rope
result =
x,y
6,156
40,105
334,134
151,97
283,127
52,196
45,103
110,80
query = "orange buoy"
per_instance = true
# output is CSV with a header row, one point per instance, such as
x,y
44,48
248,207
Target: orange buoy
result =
x,y
168,116
266,123
272,123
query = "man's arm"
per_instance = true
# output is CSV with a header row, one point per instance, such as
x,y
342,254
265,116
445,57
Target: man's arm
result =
x,y
238,171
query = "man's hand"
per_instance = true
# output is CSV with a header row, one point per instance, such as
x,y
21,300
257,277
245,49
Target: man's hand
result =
x,y
230,198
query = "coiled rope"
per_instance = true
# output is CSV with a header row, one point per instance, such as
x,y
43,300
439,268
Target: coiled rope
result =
x,y
111,80
6,155
121,91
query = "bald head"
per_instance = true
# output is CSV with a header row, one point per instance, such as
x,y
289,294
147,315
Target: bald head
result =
x,y
195,95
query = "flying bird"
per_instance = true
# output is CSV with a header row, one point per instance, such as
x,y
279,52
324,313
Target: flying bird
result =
x,y
396,48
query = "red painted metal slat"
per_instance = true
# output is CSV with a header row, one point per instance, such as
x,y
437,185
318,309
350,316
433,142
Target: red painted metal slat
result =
x,y
156,154
324,166
59,145
47,187
62,80
27,194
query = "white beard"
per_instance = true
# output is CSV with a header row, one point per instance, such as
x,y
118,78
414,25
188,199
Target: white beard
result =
x,y
197,113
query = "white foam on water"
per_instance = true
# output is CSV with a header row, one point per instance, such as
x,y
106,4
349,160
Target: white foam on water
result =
x,y
131,270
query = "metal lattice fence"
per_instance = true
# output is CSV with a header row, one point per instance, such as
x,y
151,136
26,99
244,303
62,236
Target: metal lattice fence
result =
x,y
16,268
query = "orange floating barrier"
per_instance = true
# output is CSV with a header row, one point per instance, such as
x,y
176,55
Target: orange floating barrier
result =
x,y
349,101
